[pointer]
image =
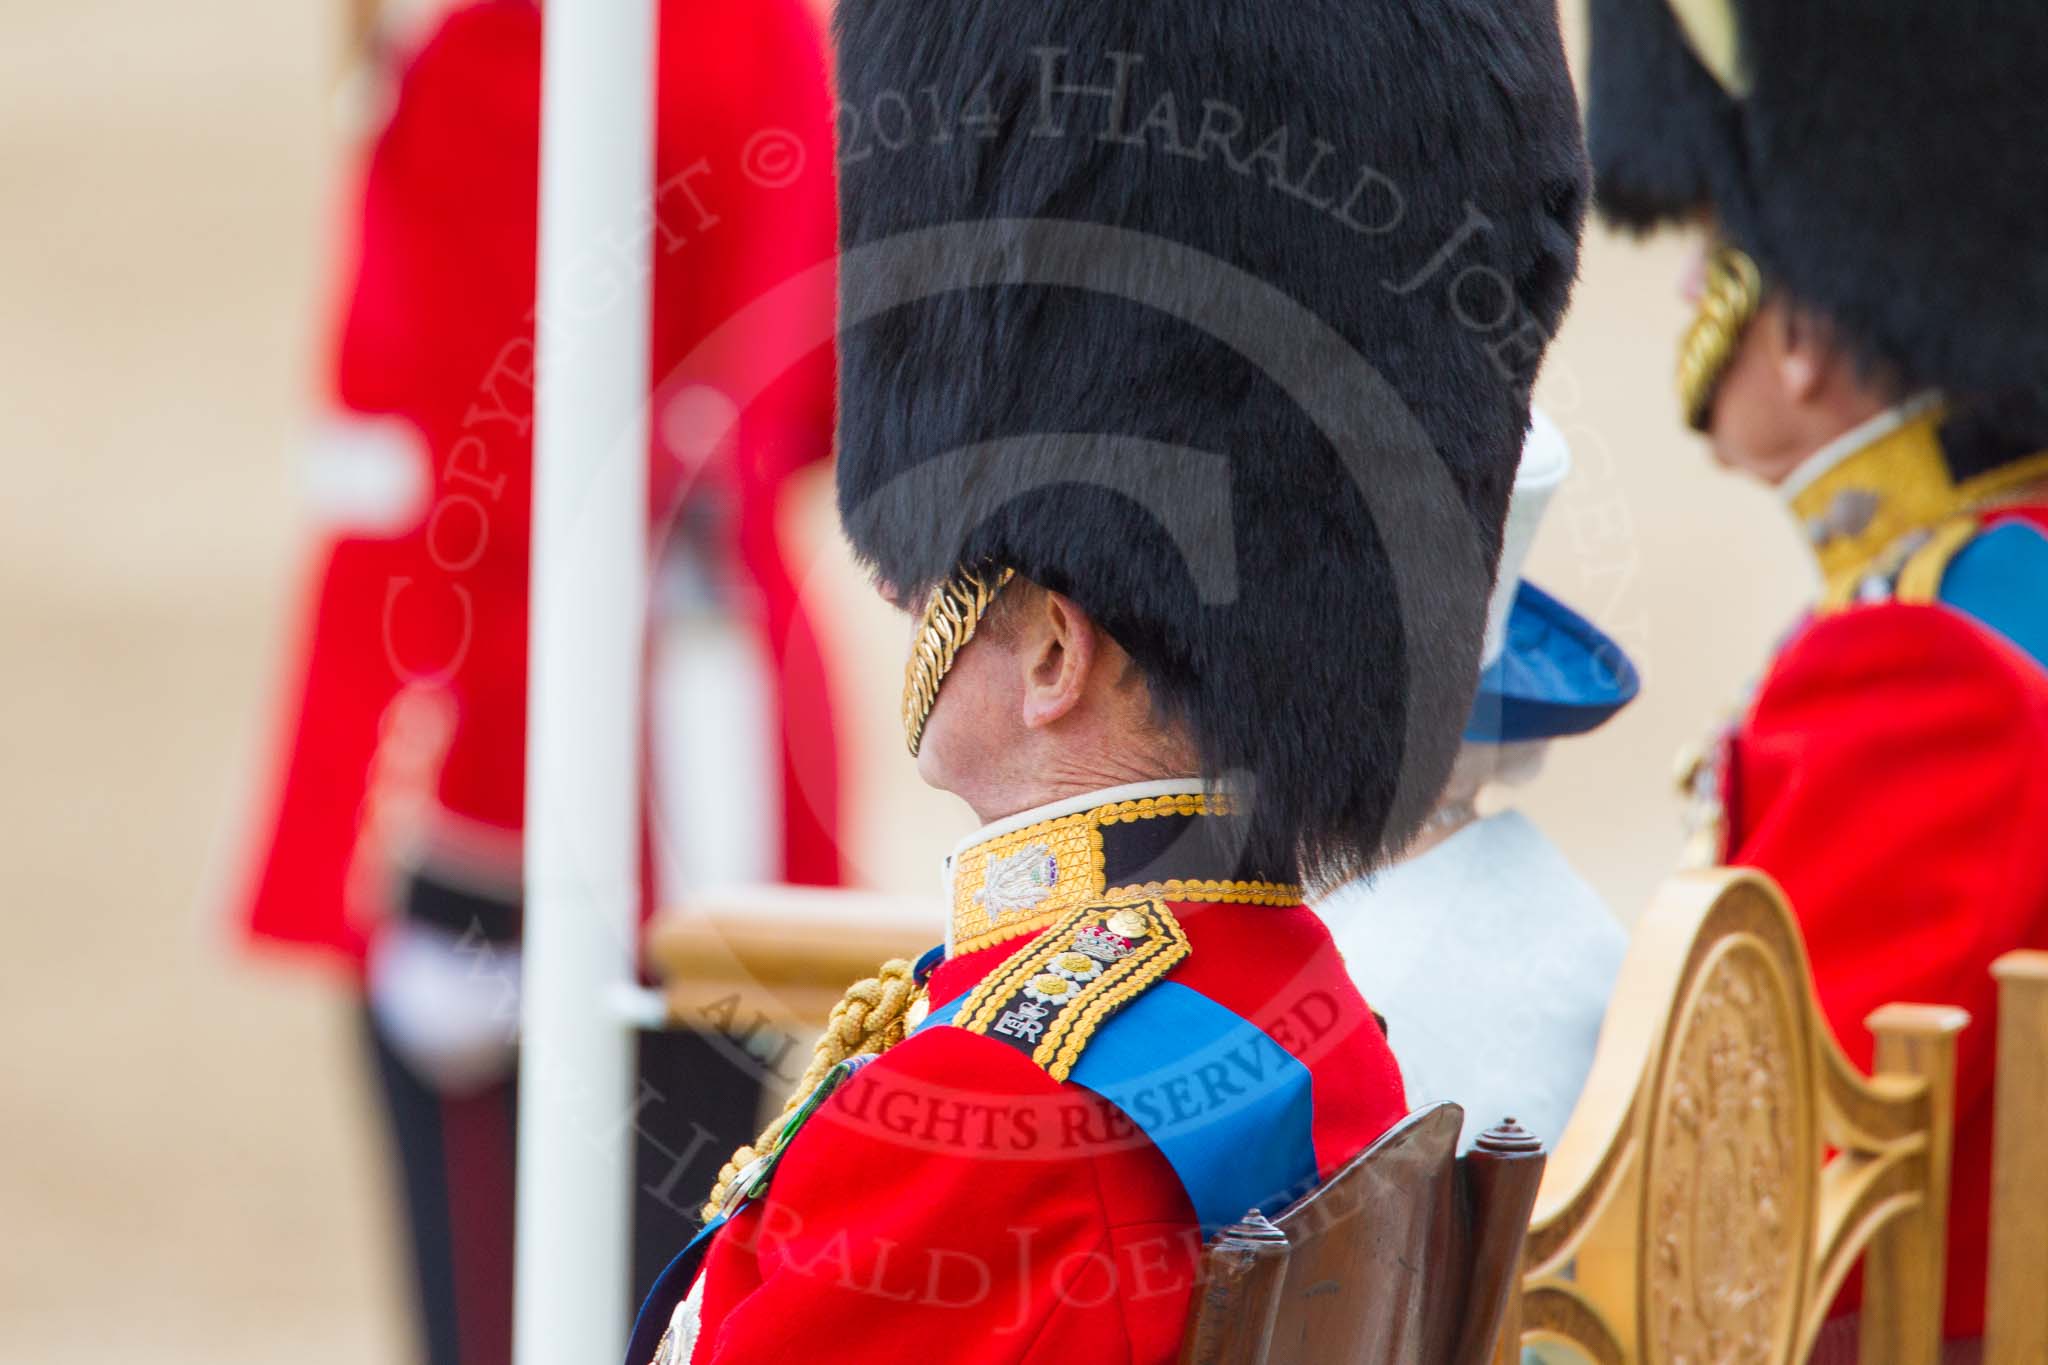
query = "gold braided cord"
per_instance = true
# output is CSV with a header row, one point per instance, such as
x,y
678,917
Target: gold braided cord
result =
x,y
1734,291
951,614
1152,807
1209,892
870,1017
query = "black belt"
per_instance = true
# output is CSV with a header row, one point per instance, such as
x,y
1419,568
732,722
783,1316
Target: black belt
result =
x,y
466,913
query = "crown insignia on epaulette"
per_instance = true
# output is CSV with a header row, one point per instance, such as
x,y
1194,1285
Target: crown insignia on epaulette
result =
x,y
1102,945
1048,1000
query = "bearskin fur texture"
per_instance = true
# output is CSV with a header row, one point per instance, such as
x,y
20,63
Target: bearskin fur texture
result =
x,y
1233,347
1883,169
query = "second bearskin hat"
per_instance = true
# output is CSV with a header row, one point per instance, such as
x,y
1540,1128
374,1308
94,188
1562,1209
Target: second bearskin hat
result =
x,y
1879,160
1220,319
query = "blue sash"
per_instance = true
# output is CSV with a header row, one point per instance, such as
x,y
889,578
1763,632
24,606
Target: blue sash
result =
x,y
1230,1109
2001,579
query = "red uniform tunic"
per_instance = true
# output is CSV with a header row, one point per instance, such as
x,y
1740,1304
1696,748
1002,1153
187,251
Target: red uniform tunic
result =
x,y
957,1195
437,332
1892,775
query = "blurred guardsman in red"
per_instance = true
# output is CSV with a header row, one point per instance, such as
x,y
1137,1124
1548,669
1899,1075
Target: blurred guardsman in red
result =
x,y
1872,339
392,835
1186,349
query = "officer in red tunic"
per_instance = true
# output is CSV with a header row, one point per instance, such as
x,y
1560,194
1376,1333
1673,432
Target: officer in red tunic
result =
x,y
1872,339
1185,362
391,842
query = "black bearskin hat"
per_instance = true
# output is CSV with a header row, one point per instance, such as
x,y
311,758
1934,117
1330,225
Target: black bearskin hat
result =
x,y
1220,319
1880,160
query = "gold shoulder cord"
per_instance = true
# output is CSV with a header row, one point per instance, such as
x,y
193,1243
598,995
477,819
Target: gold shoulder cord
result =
x,y
1734,291
869,1018
951,614
1919,578
872,1016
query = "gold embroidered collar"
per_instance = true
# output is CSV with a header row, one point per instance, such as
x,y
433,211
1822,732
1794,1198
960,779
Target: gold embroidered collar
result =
x,y
1021,874
1884,487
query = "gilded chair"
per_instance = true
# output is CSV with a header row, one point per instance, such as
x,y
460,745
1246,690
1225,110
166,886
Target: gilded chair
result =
x,y
2016,1306
1727,1166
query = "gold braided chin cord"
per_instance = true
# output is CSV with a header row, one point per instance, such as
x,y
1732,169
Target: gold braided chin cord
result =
x,y
955,608
1734,291
870,1017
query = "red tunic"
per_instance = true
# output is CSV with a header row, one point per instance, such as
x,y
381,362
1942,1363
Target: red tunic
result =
x,y
954,1201
1892,775
437,332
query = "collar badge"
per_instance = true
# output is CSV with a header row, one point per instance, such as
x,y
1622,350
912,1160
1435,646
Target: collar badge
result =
x,y
1017,881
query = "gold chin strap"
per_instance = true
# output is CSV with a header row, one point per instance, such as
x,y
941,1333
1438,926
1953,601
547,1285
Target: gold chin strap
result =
x,y
950,617
1734,291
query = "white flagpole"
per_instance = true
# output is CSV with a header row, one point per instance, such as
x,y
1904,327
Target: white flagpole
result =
x,y
583,747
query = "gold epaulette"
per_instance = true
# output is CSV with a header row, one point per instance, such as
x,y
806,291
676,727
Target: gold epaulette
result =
x,y
1049,1000
1920,577
1910,569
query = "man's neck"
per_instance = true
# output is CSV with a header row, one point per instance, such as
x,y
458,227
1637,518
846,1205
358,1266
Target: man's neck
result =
x,y
1854,430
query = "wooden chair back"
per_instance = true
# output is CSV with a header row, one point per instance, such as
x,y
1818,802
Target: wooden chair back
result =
x,y
2016,1306
1407,1254
1726,1166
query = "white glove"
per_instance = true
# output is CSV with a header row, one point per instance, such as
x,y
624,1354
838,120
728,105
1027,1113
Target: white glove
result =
x,y
449,1008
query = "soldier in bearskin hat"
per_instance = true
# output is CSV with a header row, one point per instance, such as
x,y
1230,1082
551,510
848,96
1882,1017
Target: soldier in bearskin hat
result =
x,y
1872,339
1185,362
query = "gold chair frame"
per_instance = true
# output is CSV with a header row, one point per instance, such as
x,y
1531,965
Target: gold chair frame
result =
x,y
2016,1303
1727,1165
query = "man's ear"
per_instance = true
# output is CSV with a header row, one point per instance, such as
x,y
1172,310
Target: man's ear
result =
x,y
1805,350
1059,651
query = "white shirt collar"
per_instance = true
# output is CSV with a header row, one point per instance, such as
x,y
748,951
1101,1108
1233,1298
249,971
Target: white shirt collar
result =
x,y
1074,805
